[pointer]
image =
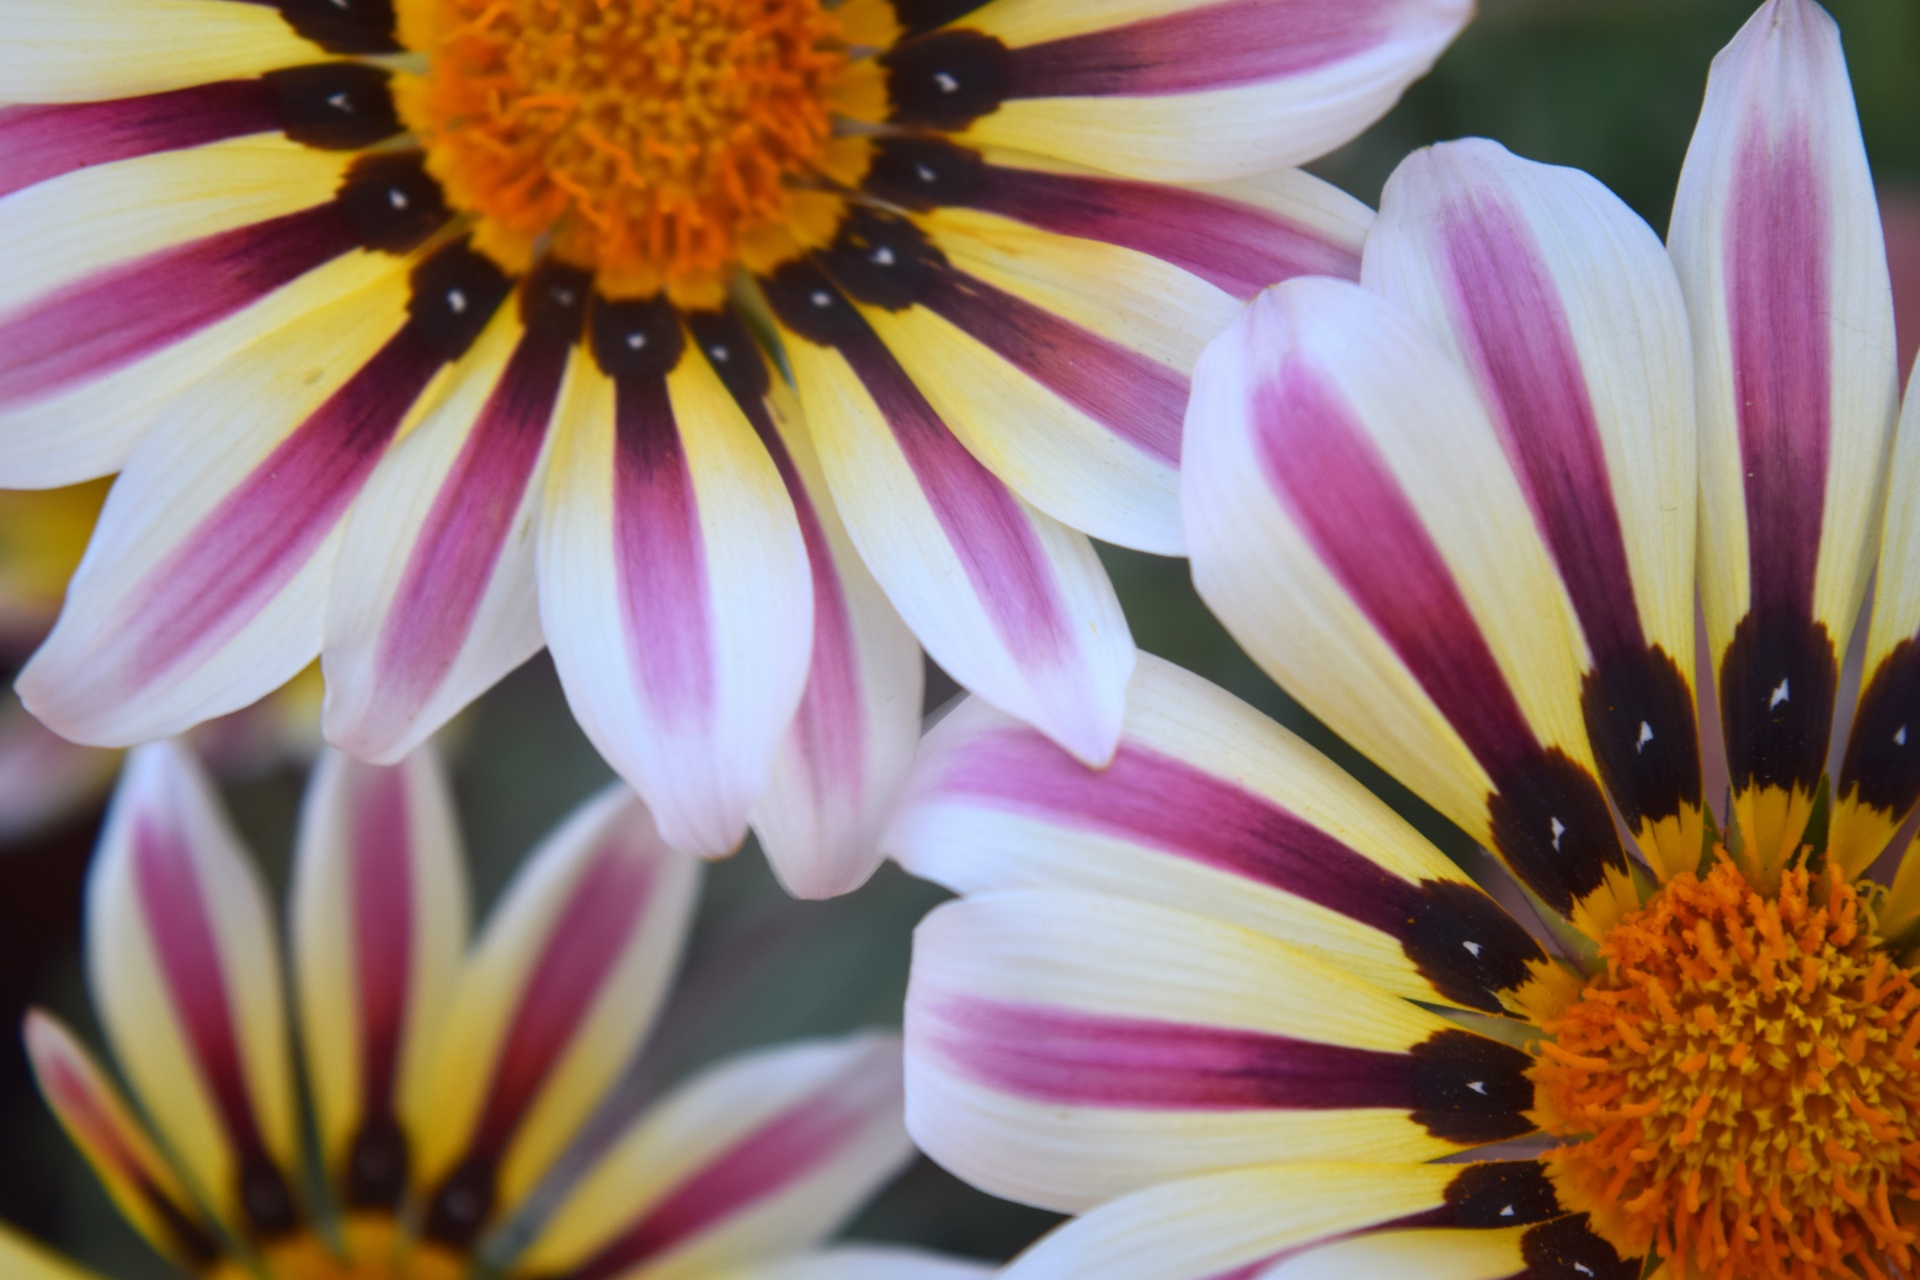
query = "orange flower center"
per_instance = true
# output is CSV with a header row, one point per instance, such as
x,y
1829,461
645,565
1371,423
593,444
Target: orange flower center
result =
x,y
1740,1086
375,1250
644,139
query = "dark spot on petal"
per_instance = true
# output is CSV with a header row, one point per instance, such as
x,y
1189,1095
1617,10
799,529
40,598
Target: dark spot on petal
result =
x,y
1551,823
811,305
638,337
734,353
392,202
1463,943
1469,1089
946,80
338,106
553,301
265,1198
1776,700
463,1203
377,1165
455,293
1567,1249
1882,765
344,26
1646,737
920,173
1502,1193
882,260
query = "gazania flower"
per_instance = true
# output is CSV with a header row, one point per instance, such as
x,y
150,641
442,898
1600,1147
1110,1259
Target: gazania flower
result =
x,y
45,779
444,1083
1453,509
474,301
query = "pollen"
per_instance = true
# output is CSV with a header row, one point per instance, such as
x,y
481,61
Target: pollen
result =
x,y
1739,1089
652,141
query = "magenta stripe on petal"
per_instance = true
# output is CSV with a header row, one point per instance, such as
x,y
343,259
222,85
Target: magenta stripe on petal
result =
x,y
1778,266
660,553
1098,1060
589,933
984,522
175,910
255,541
106,321
1167,804
1216,46
1233,246
1515,331
761,1165
452,561
1338,488
381,862
41,142
1140,400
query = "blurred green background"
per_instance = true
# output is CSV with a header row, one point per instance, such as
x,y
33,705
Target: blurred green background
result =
x,y
1611,86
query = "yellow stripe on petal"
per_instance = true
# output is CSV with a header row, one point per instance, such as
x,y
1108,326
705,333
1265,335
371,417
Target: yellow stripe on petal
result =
x,y
87,50
23,1259
379,922
99,1121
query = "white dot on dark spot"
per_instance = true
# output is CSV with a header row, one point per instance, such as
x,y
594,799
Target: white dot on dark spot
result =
x,y
883,256
1900,736
719,354
563,296
341,102
1646,736
1779,695
1559,829
396,197
946,82
821,298
636,340
456,301
924,173
1478,1086
1473,948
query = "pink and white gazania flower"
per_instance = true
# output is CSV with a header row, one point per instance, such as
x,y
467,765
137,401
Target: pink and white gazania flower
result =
x,y
444,1080
427,332
1228,1001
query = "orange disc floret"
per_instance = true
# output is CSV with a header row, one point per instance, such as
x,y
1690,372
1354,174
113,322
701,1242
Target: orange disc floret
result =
x,y
644,139
1740,1085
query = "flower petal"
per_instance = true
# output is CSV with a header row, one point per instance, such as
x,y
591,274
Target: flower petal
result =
x,y
1064,1048
87,50
755,1159
846,753
205,584
559,990
185,974
442,602
1355,524
1013,605
1563,307
1210,807
1308,1221
1879,780
100,1122
867,1262
1777,240
667,541
146,275
379,921
1170,90
23,1259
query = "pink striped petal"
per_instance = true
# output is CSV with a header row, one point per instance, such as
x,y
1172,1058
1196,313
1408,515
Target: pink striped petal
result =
x,y
666,543
1192,92
99,1121
846,754
444,603
558,992
1066,1047
1356,525
41,142
1777,239
185,973
205,583
754,1159
1015,606
91,50
1210,807
379,922
1563,307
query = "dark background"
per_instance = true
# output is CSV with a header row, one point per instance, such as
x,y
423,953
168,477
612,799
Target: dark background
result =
x,y
1611,86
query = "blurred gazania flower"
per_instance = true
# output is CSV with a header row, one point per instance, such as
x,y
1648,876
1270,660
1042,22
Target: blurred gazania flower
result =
x,y
45,779
475,303
1453,509
443,1083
